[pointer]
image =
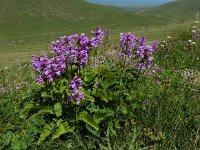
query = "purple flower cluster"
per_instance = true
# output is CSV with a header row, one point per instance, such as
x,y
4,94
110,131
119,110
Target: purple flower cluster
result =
x,y
145,52
48,68
74,48
75,86
98,37
137,48
68,51
127,44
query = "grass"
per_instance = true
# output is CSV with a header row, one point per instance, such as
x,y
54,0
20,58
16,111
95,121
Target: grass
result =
x,y
28,25
29,44
164,105
34,25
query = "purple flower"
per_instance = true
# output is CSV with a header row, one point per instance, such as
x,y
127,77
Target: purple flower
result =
x,y
137,49
155,46
75,86
127,44
48,68
141,41
98,33
145,55
66,52
98,37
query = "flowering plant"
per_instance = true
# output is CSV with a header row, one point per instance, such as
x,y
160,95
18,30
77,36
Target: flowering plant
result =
x,y
74,92
136,50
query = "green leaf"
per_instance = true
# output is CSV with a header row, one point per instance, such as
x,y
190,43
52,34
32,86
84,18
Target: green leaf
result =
x,y
62,129
89,98
46,110
87,95
29,106
102,95
123,109
105,85
58,109
92,130
83,116
99,114
99,118
62,89
113,131
45,95
48,129
110,75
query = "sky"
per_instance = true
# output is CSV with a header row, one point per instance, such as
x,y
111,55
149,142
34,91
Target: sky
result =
x,y
131,3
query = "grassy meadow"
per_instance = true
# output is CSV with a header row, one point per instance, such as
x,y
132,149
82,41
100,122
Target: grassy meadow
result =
x,y
123,107
29,26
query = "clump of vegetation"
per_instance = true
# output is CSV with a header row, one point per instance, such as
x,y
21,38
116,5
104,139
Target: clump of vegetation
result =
x,y
138,96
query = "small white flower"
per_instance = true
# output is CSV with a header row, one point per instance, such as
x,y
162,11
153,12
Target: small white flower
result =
x,y
197,58
190,41
6,68
162,45
198,30
193,43
194,31
196,21
169,37
194,27
164,41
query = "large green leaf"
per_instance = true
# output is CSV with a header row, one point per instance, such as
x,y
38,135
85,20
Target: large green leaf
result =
x,y
99,118
83,116
29,106
62,129
88,97
45,95
58,109
46,110
99,114
102,95
48,129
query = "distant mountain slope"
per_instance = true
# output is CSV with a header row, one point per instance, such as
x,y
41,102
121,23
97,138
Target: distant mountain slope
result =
x,y
180,9
36,16
131,5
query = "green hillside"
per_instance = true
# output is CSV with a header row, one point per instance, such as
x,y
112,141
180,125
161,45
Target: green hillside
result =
x,y
179,10
33,24
20,17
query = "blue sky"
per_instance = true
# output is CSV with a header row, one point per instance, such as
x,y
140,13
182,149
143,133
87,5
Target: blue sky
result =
x,y
132,3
